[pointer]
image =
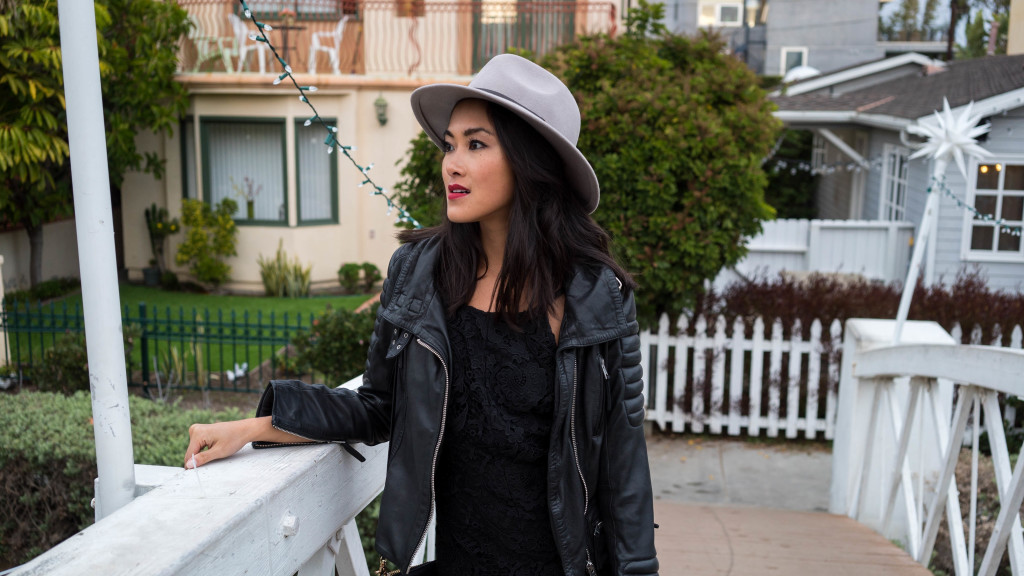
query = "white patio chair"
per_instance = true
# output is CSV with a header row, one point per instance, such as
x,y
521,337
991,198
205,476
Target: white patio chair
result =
x,y
209,42
333,50
243,44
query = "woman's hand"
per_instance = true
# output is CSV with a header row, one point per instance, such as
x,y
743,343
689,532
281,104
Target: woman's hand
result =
x,y
208,442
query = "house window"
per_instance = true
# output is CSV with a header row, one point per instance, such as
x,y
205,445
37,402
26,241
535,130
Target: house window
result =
x,y
317,175
714,13
244,161
894,183
729,14
998,195
793,56
818,151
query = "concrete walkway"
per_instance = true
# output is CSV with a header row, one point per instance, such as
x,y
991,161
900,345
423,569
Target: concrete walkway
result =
x,y
741,508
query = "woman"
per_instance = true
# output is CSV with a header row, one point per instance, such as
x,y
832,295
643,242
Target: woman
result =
x,y
504,364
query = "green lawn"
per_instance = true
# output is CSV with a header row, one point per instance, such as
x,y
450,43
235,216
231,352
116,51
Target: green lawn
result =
x,y
204,333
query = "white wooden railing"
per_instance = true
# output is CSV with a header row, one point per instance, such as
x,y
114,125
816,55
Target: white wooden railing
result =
x,y
897,445
279,511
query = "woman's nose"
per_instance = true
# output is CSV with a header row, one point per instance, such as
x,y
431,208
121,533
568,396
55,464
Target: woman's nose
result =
x,y
453,164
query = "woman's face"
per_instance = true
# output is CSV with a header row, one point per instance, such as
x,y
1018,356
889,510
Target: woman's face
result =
x,y
478,178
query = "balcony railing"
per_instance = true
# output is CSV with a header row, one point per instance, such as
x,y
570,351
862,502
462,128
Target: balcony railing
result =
x,y
382,37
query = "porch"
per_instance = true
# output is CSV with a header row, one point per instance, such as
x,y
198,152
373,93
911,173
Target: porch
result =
x,y
380,37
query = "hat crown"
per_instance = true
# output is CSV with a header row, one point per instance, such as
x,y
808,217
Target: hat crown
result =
x,y
530,86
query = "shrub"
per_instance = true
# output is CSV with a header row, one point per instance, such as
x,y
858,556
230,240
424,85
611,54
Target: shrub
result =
x,y
47,290
421,190
282,278
169,281
336,345
676,129
48,462
211,238
371,275
348,277
64,367
967,301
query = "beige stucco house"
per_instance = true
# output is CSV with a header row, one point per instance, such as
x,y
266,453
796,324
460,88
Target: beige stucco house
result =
x,y
242,129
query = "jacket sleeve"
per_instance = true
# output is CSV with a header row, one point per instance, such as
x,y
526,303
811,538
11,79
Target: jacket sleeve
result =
x,y
627,504
323,414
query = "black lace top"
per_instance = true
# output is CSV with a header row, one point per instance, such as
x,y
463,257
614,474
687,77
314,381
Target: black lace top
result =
x,y
491,479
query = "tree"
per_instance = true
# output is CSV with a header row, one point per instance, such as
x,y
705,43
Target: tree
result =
x,y
33,135
676,130
911,21
978,33
138,47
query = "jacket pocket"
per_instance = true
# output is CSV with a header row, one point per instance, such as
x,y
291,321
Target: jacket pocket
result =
x,y
399,406
603,381
599,550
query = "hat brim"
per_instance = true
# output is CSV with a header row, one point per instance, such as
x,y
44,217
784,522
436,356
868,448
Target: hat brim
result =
x,y
433,105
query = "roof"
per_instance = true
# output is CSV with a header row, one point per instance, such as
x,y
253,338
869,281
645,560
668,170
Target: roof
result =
x,y
911,98
855,71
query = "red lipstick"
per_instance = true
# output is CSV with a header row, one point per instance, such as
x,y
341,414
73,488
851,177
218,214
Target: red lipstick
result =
x,y
457,191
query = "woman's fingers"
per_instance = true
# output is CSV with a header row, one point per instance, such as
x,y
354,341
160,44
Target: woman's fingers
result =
x,y
208,442
196,442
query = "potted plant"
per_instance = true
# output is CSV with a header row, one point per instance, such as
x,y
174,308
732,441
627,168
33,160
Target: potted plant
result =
x,y
248,190
151,274
160,226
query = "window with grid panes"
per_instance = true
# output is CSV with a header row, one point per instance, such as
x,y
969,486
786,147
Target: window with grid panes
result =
x,y
998,195
894,183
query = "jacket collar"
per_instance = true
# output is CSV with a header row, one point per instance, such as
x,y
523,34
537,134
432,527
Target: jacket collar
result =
x,y
594,310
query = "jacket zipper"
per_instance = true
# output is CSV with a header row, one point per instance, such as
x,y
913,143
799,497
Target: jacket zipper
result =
x,y
437,450
576,456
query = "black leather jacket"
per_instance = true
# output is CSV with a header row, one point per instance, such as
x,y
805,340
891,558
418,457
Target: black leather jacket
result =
x,y
599,487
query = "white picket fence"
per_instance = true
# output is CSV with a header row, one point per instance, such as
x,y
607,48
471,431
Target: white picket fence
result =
x,y
719,381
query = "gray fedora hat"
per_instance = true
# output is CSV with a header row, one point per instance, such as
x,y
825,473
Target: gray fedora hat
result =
x,y
532,93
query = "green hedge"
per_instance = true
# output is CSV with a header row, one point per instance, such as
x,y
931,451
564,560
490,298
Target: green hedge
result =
x,y
48,462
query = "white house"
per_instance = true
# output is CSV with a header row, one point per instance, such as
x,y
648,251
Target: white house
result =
x,y
860,115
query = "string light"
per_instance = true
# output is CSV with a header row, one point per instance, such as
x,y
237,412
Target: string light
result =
x,y
330,141
999,223
794,166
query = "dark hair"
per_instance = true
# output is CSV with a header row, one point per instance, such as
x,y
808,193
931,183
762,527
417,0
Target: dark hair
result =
x,y
550,231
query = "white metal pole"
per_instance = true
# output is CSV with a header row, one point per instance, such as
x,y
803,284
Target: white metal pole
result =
x,y
928,223
94,221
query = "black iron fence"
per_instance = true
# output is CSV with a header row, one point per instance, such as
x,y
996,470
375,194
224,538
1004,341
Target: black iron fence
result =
x,y
171,348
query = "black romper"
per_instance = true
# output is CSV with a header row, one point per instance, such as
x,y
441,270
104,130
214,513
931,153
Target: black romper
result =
x,y
491,479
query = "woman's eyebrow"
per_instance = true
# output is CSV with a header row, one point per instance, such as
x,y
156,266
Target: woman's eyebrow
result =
x,y
470,131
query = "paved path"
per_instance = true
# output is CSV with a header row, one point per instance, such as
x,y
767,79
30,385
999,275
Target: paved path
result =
x,y
717,540
740,508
